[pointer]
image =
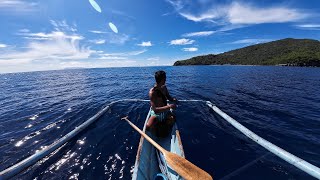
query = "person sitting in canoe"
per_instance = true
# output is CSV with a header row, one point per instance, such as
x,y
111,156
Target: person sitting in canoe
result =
x,y
161,118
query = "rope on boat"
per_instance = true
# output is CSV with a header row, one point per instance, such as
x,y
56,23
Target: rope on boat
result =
x,y
290,158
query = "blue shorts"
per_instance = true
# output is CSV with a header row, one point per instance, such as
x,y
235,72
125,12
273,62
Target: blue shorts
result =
x,y
160,116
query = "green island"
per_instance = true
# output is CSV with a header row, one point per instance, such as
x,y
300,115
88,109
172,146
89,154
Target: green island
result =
x,y
284,52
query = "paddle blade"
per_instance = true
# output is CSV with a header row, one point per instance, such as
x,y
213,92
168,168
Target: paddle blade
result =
x,y
185,168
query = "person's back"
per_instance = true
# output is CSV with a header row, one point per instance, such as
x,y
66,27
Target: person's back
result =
x,y
160,110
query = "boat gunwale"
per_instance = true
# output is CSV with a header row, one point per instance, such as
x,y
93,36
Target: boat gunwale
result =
x,y
137,162
180,142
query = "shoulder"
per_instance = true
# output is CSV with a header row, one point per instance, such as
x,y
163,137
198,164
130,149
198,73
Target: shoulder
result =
x,y
151,91
164,88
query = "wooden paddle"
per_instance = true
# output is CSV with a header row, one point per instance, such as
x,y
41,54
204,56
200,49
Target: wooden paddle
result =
x,y
182,166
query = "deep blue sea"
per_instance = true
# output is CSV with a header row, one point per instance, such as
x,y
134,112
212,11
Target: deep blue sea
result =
x,y
280,104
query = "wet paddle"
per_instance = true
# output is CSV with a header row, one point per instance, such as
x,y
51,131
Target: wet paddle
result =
x,y
182,166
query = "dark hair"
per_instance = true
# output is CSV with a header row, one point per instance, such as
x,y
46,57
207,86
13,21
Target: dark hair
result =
x,y
160,75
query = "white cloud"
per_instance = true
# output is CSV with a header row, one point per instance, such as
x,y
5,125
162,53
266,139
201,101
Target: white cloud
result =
x,y
207,16
237,13
192,49
251,41
59,48
246,14
51,36
44,49
117,38
308,26
98,32
100,64
182,41
113,38
112,58
98,41
153,59
63,26
145,44
119,56
201,33
131,53
18,6
3,46
177,4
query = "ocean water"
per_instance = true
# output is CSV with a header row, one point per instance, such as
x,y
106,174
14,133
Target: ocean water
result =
x,y
280,104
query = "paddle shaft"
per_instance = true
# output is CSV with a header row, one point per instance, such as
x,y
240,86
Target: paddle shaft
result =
x,y
156,145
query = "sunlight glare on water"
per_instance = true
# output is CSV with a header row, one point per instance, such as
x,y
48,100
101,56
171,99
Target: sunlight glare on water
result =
x,y
114,164
81,141
34,117
19,143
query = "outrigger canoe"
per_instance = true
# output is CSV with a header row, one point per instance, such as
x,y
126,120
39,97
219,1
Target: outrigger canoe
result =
x,y
150,162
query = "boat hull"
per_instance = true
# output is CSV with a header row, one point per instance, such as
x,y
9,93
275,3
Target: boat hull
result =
x,y
150,162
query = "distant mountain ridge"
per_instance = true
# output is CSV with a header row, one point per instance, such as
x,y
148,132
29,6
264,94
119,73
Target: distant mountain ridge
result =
x,y
286,52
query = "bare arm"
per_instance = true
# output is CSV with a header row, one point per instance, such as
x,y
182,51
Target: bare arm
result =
x,y
168,95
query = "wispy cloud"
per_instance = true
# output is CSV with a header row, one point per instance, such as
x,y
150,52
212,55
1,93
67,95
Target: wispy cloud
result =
x,y
145,44
45,47
113,38
154,62
131,53
3,45
63,26
247,14
121,55
192,49
182,41
99,64
199,34
251,41
153,59
123,14
210,17
98,32
18,6
51,36
237,13
308,26
98,41
62,47
119,39
177,4
102,57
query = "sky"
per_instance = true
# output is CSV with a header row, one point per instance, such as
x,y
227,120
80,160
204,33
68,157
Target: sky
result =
x,y
39,35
